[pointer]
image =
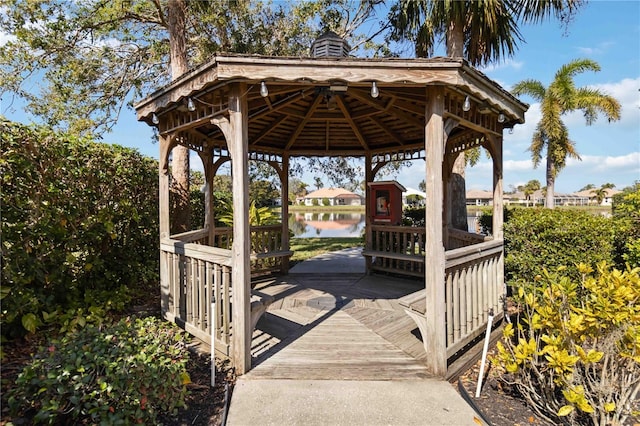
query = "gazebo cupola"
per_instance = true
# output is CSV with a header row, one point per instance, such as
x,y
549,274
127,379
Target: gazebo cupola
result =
x,y
330,45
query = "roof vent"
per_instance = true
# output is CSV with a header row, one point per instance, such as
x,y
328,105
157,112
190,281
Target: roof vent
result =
x,y
330,45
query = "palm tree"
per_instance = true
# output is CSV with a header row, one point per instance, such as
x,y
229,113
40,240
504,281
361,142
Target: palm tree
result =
x,y
559,98
601,193
481,31
531,187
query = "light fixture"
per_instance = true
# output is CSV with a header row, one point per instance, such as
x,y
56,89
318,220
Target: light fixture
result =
x,y
374,90
154,118
501,118
332,104
264,90
511,131
466,106
190,105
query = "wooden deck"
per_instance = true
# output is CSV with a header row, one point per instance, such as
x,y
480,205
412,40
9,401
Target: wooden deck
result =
x,y
342,327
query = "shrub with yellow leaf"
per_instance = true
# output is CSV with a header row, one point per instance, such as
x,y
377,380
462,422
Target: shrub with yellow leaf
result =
x,y
573,349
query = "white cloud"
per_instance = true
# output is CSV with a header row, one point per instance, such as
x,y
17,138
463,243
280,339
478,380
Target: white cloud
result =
x,y
518,165
630,162
507,64
595,50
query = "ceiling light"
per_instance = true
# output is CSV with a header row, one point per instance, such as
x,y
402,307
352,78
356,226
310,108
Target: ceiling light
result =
x,y
154,118
190,105
466,106
501,118
374,90
264,91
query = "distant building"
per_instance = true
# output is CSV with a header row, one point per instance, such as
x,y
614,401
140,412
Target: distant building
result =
x,y
336,197
591,196
414,198
477,197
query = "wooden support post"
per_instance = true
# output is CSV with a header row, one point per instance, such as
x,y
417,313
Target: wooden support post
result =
x,y
435,341
241,269
207,164
284,179
498,206
368,177
164,223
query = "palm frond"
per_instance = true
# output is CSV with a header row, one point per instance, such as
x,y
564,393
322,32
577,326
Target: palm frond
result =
x,y
530,87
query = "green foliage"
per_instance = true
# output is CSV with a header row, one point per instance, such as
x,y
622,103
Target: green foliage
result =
x,y
537,238
413,216
574,352
314,202
91,57
122,374
326,202
79,226
626,212
262,193
257,216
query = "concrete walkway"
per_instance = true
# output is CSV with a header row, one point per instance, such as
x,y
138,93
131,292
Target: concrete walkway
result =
x,y
339,367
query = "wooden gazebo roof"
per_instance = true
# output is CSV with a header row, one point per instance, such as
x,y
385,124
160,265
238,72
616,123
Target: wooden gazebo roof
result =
x,y
324,106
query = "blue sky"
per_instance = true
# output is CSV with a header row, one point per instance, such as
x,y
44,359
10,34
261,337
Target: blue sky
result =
x,y
607,32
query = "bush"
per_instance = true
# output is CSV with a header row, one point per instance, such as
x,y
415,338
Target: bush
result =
x,y
123,374
413,216
326,202
79,225
626,213
575,352
538,238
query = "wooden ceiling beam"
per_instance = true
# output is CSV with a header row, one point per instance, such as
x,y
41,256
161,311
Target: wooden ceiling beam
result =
x,y
354,126
296,133
278,105
393,135
267,130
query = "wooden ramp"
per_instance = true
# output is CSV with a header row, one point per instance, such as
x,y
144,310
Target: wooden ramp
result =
x,y
337,328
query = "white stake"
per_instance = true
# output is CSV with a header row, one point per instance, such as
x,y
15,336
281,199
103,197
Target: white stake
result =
x,y
487,337
212,346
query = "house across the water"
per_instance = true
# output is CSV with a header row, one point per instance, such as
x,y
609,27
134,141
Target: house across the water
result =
x,y
334,196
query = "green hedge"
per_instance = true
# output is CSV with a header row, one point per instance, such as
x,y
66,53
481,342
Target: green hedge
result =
x,y
79,225
626,212
537,238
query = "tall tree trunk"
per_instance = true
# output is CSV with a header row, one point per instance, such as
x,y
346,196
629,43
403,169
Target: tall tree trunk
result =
x,y
455,40
176,21
458,203
551,179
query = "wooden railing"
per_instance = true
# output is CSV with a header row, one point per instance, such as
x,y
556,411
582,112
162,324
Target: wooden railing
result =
x,y
267,253
192,277
458,238
198,236
398,249
474,284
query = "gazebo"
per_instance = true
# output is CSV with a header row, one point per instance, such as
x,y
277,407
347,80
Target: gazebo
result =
x,y
239,107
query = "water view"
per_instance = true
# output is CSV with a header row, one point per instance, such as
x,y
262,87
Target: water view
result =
x,y
338,225
326,225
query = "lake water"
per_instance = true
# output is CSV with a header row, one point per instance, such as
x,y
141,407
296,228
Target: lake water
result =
x,y
326,225
336,225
